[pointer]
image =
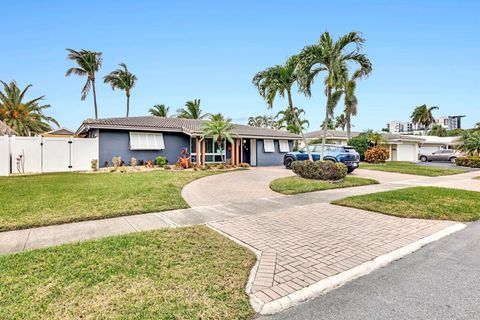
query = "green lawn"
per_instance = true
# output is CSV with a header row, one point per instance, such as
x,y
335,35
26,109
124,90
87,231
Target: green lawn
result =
x,y
410,168
184,273
420,202
293,185
28,201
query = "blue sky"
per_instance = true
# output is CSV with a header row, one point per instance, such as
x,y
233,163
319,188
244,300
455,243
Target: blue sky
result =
x,y
422,52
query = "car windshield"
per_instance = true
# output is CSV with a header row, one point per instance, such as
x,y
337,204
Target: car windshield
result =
x,y
304,149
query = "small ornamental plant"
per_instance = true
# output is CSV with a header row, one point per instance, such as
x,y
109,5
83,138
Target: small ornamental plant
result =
x,y
377,154
320,170
161,161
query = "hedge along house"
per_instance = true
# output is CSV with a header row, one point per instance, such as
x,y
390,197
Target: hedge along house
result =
x,y
145,138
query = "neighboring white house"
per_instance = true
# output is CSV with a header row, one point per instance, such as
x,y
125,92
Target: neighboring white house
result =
x,y
401,147
434,143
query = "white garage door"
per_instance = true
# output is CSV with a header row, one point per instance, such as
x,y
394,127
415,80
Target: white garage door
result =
x,y
407,152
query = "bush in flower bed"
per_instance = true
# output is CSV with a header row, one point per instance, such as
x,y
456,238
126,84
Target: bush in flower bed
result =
x,y
320,170
377,154
472,162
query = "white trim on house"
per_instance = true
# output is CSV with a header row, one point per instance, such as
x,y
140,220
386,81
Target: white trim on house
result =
x,y
268,145
146,141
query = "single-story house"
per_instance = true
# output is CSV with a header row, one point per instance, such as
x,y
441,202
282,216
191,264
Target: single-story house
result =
x,y
6,130
146,137
431,144
60,132
402,147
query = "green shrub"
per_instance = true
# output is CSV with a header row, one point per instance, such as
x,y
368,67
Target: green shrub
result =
x,y
320,170
360,143
377,155
472,162
161,161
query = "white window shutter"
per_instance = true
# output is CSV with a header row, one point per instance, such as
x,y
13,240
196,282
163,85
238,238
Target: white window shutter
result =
x,y
284,146
268,146
146,141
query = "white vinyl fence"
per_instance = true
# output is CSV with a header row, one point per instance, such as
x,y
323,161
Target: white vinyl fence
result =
x,y
46,154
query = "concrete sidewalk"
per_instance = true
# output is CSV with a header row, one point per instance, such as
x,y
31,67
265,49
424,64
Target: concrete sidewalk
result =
x,y
34,238
219,208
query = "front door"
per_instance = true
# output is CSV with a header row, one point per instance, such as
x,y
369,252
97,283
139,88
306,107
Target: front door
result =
x,y
246,151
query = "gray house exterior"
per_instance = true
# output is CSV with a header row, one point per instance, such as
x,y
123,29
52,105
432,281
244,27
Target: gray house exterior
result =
x,y
145,138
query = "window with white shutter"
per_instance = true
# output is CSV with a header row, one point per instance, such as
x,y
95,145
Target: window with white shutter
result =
x,y
146,141
268,146
284,146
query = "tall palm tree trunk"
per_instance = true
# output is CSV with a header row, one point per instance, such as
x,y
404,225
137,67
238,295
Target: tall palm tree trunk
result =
x,y
128,104
325,124
347,120
94,97
290,103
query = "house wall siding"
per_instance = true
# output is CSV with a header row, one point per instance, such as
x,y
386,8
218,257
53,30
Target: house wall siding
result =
x,y
113,143
271,158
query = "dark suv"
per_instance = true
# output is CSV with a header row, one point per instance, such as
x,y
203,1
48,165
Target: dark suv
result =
x,y
333,152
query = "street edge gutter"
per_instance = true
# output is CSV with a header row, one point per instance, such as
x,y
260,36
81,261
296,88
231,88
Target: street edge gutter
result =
x,y
333,282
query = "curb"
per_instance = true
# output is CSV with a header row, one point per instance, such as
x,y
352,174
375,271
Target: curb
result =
x,y
340,279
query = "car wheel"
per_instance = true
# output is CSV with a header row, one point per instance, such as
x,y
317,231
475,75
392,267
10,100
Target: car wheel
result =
x,y
288,163
350,170
452,159
423,159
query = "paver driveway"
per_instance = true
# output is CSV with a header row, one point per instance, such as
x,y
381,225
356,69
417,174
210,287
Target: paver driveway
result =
x,y
313,242
237,186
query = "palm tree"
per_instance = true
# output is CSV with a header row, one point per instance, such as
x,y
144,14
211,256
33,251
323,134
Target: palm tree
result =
x,y
220,129
438,130
350,99
330,125
330,56
374,138
24,117
89,62
122,79
470,143
192,110
423,115
159,110
280,80
264,121
341,122
288,121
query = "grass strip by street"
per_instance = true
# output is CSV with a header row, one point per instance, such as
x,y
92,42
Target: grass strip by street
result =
x,y
410,168
420,202
38,200
183,273
294,185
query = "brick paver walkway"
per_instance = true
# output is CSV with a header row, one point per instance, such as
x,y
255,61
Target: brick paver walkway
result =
x,y
303,246
235,186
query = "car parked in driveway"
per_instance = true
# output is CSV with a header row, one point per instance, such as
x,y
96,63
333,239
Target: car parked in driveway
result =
x,y
336,153
440,155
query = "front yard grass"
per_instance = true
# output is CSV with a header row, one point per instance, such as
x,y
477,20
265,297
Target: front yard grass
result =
x,y
294,185
420,202
410,168
30,201
184,273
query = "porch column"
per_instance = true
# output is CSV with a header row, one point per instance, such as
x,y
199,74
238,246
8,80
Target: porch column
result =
x,y
203,151
198,159
232,152
238,152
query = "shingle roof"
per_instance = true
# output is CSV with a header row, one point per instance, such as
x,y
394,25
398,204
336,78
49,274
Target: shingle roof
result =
x,y
332,134
188,126
6,130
